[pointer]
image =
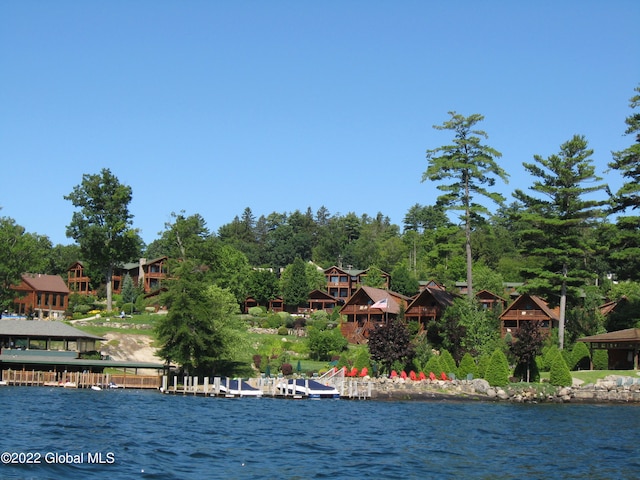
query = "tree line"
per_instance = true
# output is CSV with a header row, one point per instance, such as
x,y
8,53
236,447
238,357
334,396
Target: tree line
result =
x,y
554,237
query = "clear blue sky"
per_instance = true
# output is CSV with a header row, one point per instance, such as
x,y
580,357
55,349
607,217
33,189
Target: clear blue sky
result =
x,y
214,106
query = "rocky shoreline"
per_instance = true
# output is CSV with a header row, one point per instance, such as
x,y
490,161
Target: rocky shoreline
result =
x,y
611,389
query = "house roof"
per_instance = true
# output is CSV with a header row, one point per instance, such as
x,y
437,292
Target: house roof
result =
x,y
442,297
629,335
394,299
553,314
38,328
607,308
320,294
45,283
488,294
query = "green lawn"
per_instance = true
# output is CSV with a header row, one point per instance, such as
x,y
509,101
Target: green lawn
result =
x,y
592,376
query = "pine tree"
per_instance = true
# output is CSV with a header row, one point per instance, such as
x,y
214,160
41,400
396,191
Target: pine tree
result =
x,y
625,241
556,236
471,167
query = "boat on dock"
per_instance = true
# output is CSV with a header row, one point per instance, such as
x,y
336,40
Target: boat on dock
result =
x,y
239,388
307,388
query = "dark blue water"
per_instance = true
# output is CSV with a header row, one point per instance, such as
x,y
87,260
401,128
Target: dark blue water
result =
x,y
142,434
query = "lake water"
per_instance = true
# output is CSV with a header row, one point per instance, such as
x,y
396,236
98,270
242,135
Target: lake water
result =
x,y
124,434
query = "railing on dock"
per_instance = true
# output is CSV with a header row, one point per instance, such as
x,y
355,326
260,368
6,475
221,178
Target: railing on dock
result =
x,y
79,379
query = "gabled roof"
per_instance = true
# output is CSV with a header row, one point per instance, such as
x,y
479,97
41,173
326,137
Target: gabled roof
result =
x,y
488,294
321,295
45,283
609,307
394,299
553,314
347,271
441,297
629,335
38,328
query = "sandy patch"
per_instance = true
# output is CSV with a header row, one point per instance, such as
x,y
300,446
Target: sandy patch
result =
x,y
124,347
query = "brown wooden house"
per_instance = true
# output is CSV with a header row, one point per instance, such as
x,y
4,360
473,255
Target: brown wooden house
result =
x,y
491,301
148,274
343,283
152,273
428,305
367,308
45,296
77,279
320,300
526,308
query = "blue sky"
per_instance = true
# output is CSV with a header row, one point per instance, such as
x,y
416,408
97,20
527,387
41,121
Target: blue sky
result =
x,y
211,107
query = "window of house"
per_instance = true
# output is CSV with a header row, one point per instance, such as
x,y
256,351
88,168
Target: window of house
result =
x,y
511,323
334,278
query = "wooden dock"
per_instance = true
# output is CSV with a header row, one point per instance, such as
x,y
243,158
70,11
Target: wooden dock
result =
x,y
348,388
38,378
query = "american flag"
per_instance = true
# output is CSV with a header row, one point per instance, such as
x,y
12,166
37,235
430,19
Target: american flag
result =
x,y
381,304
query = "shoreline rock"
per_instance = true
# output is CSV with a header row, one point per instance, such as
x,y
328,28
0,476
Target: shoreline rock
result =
x,y
612,389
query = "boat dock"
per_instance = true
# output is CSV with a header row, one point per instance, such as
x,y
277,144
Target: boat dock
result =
x,y
274,387
37,378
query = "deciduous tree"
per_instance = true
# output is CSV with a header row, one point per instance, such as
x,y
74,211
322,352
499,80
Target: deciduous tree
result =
x,y
20,252
103,225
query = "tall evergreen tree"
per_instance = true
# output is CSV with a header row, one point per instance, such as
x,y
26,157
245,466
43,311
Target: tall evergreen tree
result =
x,y
472,170
557,225
625,251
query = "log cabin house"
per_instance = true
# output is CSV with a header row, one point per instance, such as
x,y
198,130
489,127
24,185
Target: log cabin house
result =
x,y
527,308
367,308
147,274
428,305
44,296
343,283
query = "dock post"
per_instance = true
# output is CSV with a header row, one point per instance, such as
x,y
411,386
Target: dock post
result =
x,y
195,385
165,383
206,386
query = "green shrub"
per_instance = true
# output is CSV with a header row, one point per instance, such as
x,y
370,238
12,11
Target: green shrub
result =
x,y
257,311
283,330
273,321
580,358
600,359
447,363
467,366
549,353
82,309
497,373
483,363
320,315
559,374
433,366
